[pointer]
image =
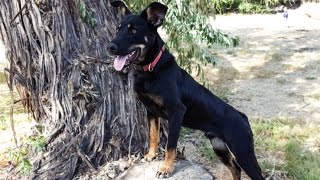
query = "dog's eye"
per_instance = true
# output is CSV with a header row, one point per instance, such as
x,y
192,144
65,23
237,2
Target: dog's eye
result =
x,y
131,30
118,28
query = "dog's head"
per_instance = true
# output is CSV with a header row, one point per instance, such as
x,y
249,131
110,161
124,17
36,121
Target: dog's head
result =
x,y
136,34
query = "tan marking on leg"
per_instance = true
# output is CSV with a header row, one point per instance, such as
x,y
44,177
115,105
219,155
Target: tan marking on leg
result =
x,y
232,167
156,99
235,173
154,139
167,166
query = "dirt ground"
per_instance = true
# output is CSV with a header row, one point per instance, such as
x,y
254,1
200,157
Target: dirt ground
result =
x,y
275,72
277,67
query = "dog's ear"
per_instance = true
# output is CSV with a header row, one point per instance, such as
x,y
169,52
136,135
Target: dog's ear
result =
x,y
154,14
122,5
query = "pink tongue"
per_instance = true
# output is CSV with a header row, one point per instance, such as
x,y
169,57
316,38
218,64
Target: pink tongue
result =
x,y
119,62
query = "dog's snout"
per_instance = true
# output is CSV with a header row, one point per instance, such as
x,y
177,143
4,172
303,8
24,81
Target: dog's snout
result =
x,y
112,48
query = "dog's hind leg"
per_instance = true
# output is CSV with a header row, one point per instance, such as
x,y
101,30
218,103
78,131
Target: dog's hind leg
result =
x,y
223,152
246,159
154,138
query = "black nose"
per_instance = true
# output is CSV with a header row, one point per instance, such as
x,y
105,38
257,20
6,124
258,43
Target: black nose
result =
x,y
112,48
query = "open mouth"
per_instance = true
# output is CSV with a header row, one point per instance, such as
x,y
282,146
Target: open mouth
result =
x,y
121,61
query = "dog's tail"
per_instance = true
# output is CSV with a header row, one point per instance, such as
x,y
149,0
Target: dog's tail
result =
x,y
240,143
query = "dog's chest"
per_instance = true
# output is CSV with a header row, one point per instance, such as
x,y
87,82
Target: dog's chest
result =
x,y
151,100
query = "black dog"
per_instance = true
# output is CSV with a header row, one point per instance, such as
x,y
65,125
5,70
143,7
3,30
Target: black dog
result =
x,y
169,92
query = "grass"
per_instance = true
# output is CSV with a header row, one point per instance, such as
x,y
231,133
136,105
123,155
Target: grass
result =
x,y
281,145
5,107
3,124
261,73
292,94
310,78
185,132
3,78
222,93
264,74
206,150
228,73
315,96
291,67
276,57
281,81
302,164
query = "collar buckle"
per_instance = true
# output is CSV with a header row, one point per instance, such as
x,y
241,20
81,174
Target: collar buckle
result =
x,y
150,68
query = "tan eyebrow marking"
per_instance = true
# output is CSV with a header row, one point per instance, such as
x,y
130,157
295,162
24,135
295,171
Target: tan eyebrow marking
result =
x,y
146,39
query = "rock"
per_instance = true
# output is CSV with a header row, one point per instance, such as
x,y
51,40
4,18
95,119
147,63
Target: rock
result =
x,y
184,170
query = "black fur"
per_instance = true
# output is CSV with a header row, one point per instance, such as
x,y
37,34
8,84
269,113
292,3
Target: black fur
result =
x,y
184,102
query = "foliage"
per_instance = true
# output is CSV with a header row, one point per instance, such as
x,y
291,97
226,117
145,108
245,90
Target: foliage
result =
x,y
250,6
224,6
246,7
36,142
86,15
190,32
19,157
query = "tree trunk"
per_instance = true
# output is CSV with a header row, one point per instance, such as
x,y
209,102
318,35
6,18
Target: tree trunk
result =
x,y
57,51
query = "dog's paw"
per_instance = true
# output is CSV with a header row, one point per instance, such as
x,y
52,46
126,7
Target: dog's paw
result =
x,y
150,156
165,171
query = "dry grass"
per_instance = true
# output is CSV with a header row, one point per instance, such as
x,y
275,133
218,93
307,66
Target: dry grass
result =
x,y
281,81
264,74
290,67
315,96
288,145
259,72
275,57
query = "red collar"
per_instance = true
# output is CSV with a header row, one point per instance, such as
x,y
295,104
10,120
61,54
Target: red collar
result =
x,y
149,67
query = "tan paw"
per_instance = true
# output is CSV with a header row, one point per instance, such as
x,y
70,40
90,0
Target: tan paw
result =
x,y
165,171
150,156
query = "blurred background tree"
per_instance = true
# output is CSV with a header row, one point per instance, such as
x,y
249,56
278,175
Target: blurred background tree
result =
x,y
189,30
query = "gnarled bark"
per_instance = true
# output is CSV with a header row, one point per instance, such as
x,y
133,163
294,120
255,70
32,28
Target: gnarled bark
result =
x,y
57,51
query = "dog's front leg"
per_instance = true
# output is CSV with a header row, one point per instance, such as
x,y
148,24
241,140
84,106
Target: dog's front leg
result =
x,y
175,122
154,138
